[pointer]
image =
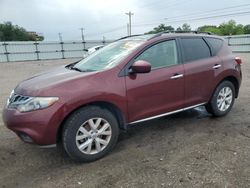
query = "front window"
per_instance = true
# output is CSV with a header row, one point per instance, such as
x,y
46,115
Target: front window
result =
x,y
108,56
163,54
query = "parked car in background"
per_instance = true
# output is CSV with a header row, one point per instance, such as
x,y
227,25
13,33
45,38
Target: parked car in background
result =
x,y
92,50
84,105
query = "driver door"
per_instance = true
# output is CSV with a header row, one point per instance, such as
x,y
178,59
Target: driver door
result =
x,y
161,90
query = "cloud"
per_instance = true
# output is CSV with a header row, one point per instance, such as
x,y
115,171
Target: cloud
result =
x,y
102,17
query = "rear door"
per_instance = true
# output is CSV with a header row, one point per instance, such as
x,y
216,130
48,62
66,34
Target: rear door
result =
x,y
200,68
162,89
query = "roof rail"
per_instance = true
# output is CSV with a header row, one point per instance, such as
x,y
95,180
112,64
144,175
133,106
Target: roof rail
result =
x,y
195,32
129,36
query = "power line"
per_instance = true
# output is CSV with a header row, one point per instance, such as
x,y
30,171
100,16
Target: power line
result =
x,y
176,21
154,3
174,4
146,5
184,18
108,31
195,19
149,4
216,16
206,12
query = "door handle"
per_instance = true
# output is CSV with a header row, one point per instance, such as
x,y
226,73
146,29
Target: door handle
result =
x,y
176,76
216,66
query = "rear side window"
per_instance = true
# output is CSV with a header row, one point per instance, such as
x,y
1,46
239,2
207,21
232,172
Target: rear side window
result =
x,y
194,49
215,44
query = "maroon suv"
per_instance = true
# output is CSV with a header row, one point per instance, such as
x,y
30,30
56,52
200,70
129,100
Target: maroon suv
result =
x,y
84,105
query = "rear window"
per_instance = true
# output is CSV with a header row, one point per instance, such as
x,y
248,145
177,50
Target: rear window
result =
x,y
215,44
195,49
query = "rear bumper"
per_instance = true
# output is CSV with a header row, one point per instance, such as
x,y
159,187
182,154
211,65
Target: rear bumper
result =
x,y
36,127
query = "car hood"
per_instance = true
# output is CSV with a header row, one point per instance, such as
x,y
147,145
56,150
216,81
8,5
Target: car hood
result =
x,y
43,83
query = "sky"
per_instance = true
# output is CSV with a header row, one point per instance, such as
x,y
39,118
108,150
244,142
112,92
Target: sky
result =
x,y
107,18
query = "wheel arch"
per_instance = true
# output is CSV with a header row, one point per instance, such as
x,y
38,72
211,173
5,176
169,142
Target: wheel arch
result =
x,y
233,80
103,104
235,83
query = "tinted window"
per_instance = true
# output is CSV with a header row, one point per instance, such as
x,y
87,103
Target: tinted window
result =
x,y
160,55
194,49
215,44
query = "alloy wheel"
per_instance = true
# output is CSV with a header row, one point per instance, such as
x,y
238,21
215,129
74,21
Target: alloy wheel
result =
x,y
224,98
93,136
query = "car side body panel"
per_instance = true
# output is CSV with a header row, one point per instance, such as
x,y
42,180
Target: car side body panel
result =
x,y
200,78
155,92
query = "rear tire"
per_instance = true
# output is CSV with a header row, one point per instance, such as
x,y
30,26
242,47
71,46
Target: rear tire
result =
x,y
222,100
90,133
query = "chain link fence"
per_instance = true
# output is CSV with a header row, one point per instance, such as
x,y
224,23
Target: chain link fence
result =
x,y
239,43
24,51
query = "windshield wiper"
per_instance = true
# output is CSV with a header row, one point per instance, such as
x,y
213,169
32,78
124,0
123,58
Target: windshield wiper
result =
x,y
75,68
72,67
88,70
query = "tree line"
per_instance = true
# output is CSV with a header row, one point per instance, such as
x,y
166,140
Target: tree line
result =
x,y
10,32
225,28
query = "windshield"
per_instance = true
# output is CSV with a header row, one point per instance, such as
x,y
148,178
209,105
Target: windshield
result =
x,y
109,56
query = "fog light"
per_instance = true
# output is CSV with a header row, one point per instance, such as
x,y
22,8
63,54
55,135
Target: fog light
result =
x,y
24,137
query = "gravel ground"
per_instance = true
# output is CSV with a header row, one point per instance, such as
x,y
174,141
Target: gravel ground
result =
x,y
189,149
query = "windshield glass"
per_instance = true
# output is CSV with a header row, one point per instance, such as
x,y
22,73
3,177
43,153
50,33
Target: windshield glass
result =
x,y
109,56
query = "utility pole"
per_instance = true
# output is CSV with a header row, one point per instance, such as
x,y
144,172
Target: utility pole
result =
x,y
103,40
60,37
61,42
82,33
83,40
129,17
166,19
128,28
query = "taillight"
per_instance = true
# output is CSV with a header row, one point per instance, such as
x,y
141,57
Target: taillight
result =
x,y
238,60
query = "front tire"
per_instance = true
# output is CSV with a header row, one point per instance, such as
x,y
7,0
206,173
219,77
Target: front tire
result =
x,y
222,100
90,133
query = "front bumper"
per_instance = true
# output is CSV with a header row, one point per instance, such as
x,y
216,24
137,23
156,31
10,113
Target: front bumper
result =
x,y
37,127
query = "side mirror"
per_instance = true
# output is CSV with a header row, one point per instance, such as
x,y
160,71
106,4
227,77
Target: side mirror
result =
x,y
140,66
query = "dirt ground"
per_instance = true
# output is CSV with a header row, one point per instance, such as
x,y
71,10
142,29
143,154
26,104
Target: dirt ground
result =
x,y
189,149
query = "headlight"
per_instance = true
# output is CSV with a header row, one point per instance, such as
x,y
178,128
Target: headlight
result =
x,y
11,96
26,104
